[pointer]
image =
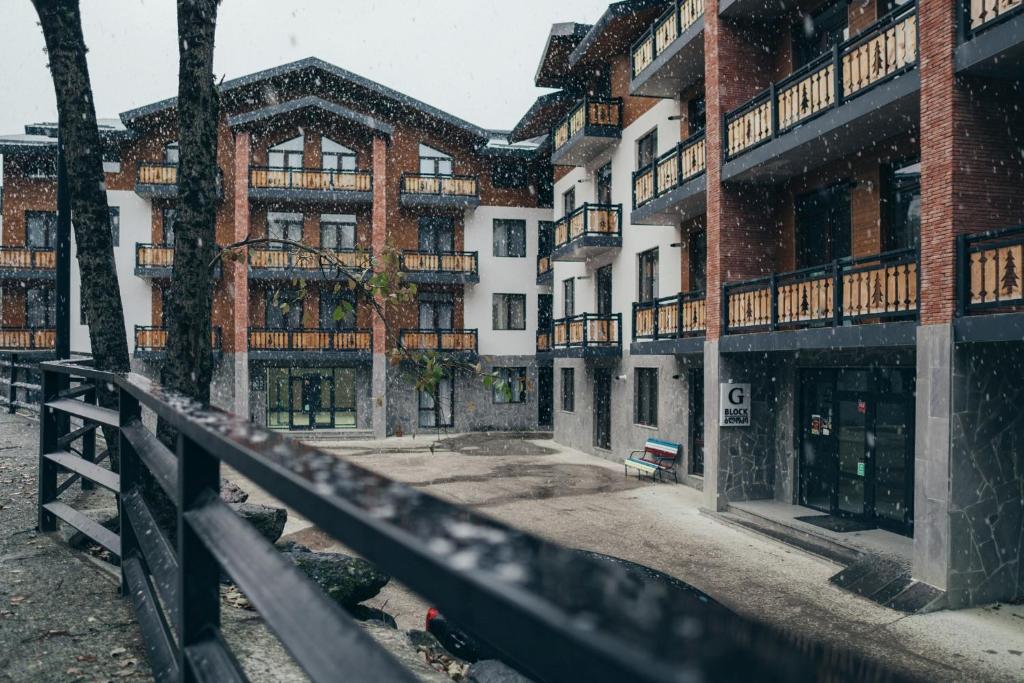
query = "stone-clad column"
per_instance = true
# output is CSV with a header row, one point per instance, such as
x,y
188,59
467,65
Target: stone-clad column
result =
x,y
378,242
237,273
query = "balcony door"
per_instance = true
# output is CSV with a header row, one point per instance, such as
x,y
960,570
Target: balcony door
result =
x,y
437,235
436,311
603,408
698,253
338,231
604,290
823,232
545,307
287,154
312,400
40,229
336,157
284,226
434,162
814,35
604,184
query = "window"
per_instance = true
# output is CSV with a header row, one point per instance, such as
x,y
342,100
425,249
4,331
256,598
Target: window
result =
x,y
433,162
509,238
284,309
508,311
437,235
115,225
647,149
336,157
698,261
568,201
646,397
569,297
814,35
436,311
647,271
697,114
40,307
172,153
41,229
287,154
337,231
284,226
329,302
902,195
170,216
604,184
508,174
545,237
439,411
568,389
515,381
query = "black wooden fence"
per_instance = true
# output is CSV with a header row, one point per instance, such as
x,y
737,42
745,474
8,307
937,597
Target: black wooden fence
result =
x,y
20,381
558,615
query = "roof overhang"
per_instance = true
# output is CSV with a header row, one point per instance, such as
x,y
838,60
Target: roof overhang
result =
x,y
259,116
542,116
620,24
554,66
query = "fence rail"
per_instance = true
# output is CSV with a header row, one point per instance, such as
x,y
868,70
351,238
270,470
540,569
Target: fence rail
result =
x,y
666,29
27,258
979,15
596,112
588,330
843,292
685,161
20,380
452,340
325,179
412,261
441,185
264,339
589,219
989,270
671,317
882,51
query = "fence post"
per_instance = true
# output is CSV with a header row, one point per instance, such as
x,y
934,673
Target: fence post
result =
x,y
837,294
773,302
47,444
963,289
89,444
128,412
198,571
12,390
837,76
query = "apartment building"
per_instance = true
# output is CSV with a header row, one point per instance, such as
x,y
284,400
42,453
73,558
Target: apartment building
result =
x,y
311,153
807,208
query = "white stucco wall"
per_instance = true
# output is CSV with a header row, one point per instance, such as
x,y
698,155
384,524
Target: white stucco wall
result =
x,y
500,275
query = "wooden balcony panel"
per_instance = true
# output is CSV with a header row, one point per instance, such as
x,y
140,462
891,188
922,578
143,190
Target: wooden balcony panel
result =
x,y
154,256
891,50
158,174
28,339
750,309
994,275
806,97
26,259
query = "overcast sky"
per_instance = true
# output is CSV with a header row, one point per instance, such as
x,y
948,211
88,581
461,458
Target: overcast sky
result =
x,y
473,58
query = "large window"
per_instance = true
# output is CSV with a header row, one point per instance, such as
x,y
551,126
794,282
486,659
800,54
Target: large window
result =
x,y
568,201
697,114
604,184
568,389
436,311
170,217
333,315
509,238
814,35
515,382
436,409
646,399
284,226
284,309
647,271
508,312
569,297
437,234
902,199
41,229
40,307
545,237
647,149
337,231
336,157
698,261
300,398
434,162
287,154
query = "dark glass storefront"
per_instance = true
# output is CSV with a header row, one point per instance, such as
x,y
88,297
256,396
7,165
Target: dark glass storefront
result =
x,y
311,398
856,429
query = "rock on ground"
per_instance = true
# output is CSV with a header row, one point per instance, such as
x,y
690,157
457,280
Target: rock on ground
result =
x,y
230,492
347,580
493,671
269,521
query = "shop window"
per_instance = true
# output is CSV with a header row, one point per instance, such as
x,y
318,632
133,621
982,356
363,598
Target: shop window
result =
x,y
436,408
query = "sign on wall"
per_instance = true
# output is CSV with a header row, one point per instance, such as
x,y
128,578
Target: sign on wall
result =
x,y
734,405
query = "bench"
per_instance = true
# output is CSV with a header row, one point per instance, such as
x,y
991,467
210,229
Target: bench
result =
x,y
657,458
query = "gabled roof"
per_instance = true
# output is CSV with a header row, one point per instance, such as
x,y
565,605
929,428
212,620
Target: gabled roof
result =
x,y
620,24
542,116
562,40
361,86
42,136
311,102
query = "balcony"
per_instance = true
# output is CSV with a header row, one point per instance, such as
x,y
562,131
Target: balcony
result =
x,y
287,264
588,335
593,125
27,263
440,268
330,346
28,339
311,186
863,91
672,188
869,301
670,325
544,345
457,342
151,342
160,180
418,191
545,270
156,261
992,38
670,56
590,230
990,297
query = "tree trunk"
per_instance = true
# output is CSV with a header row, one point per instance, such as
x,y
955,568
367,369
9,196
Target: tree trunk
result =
x,y
189,364
65,45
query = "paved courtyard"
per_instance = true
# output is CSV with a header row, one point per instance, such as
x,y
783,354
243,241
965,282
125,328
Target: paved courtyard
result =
x,y
585,502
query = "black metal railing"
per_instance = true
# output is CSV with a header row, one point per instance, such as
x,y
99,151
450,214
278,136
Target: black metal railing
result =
x,y
980,15
989,274
604,220
446,340
671,317
456,262
588,330
879,53
684,162
846,291
680,15
317,179
557,614
592,114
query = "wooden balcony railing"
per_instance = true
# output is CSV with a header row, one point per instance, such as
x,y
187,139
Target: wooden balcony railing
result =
x,y
671,317
157,174
27,339
989,270
843,292
543,264
154,255
460,262
441,340
978,15
263,339
154,338
669,26
882,51
441,185
322,179
296,259
27,258
589,219
598,112
588,330
685,161
544,340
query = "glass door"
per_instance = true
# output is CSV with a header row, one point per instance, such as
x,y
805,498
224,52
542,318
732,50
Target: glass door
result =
x,y
312,401
817,439
602,408
853,453
545,395
892,476
697,422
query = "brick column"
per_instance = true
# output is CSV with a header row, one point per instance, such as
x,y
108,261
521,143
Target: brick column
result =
x,y
236,339
378,241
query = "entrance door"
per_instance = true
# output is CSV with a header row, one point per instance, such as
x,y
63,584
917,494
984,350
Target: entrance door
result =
x,y
545,395
817,443
603,408
312,402
697,422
